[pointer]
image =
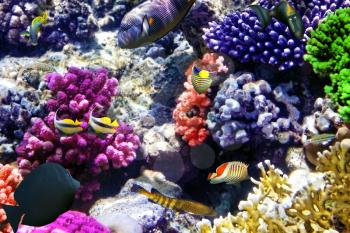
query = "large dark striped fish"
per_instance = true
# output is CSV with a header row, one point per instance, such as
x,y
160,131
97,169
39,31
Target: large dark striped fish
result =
x,y
150,21
180,205
201,80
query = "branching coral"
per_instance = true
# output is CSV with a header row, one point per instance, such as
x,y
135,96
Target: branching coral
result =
x,y
69,222
85,155
9,179
190,111
238,34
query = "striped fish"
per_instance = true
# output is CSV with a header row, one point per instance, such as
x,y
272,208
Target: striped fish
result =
x,y
33,31
230,173
179,205
150,21
68,126
103,125
201,80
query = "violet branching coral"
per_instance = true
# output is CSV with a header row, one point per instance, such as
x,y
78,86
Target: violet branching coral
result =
x,y
245,107
239,34
84,154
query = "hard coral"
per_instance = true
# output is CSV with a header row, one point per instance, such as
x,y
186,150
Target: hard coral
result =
x,y
190,111
9,179
69,222
239,34
85,155
245,108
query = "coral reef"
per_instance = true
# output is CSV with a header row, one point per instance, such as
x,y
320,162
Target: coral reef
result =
x,y
69,222
85,155
238,35
9,179
245,108
190,111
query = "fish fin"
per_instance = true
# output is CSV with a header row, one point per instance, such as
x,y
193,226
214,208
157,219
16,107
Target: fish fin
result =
x,y
68,121
145,26
25,34
14,216
106,120
263,14
77,122
138,189
115,123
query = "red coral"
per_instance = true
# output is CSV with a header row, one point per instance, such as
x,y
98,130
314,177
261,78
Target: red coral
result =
x,y
190,111
9,179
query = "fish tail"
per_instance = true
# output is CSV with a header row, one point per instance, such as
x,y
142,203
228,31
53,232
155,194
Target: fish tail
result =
x,y
264,15
14,216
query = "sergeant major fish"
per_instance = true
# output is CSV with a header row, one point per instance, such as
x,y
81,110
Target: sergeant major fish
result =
x,y
150,21
33,32
188,206
67,126
103,125
230,173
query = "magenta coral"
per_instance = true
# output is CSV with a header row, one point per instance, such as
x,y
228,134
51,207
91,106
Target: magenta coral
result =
x,y
85,155
9,179
69,222
190,111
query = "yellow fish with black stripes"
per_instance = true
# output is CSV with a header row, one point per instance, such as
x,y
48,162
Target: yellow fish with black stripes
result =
x,y
67,126
180,205
103,125
201,80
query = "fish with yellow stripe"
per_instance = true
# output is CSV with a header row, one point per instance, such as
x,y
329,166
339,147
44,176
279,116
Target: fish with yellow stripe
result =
x,y
67,126
33,32
180,205
201,80
103,125
285,13
230,173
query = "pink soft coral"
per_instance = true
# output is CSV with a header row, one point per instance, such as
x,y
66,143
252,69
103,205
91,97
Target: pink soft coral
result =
x,y
9,179
84,154
190,111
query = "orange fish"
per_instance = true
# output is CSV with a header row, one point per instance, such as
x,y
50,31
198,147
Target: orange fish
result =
x,y
229,173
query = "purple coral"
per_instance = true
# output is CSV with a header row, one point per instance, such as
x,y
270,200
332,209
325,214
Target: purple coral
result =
x,y
69,222
239,34
245,108
85,155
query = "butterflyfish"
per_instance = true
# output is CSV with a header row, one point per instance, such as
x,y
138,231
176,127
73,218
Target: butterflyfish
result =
x,y
33,32
180,205
229,173
283,12
103,125
150,21
67,126
201,80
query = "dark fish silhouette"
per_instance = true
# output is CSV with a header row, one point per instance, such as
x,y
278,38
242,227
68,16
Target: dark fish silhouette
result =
x,y
285,13
150,21
43,195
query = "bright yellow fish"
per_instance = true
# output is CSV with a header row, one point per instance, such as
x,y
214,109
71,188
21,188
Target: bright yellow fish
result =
x,y
68,126
34,29
230,173
102,125
201,80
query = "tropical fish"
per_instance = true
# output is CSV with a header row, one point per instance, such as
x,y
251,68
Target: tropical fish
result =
x,y
201,80
188,206
43,195
321,138
285,13
102,125
68,126
230,173
150,21
33,32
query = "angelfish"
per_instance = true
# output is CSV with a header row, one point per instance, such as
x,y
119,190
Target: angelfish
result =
x,y
201,80
180,205
229,173
150,21
103,125
285,13
33,32
67,126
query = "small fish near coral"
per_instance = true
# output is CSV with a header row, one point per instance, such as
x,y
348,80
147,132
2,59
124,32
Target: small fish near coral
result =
x,y
179,205
201,80
43,195
230,173
321,138
33,32
150,21
67,126
103,125
285,13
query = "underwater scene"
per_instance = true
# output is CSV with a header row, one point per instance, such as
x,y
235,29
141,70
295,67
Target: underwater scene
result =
x,y
174,116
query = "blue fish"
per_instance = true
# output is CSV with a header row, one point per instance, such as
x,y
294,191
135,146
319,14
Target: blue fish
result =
x,y
35,27
150,21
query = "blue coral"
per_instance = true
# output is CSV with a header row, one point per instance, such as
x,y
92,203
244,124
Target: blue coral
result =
x,y
240,35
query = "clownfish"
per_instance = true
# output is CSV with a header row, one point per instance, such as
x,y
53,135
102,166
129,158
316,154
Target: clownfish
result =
x,y
103,125
201,80
33,32
229,173
181,205
285,13
67,126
